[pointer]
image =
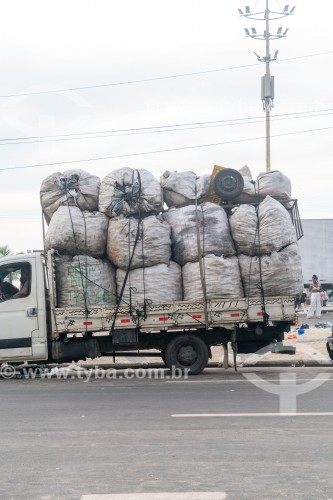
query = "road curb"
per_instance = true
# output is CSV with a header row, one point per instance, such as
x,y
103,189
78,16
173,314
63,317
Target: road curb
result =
x,y
259,364
291,363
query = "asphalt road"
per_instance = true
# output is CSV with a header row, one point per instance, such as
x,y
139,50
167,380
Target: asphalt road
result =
x,y
213,436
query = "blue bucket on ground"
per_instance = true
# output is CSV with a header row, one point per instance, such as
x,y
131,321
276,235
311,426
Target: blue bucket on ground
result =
x,y
300,332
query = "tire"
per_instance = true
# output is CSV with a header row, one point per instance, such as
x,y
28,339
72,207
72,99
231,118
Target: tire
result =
x,y
187,352
329,347
228,184
163,357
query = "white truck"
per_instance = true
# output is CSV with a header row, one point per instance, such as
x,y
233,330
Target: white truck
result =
x,y
35,330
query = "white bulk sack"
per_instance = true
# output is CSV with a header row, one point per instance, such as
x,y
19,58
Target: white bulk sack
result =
x,y
221,276
74,232
73,187
243,225
264,230
181,189
275,226
245,172
249,192
202,183
274,184
126,191
160,284
84,281
248,195
213,230
281,273
153,246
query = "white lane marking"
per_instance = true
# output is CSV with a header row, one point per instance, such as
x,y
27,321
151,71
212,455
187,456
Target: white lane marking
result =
x,y
214,381
307,414
186,495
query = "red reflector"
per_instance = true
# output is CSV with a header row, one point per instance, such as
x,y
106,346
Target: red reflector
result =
x,y
196,316
260,314
163,319
125,321
235,315
87,323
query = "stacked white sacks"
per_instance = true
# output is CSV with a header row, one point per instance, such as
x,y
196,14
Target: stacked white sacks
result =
x,y
202,232
267,248
189,251
77,233
138,241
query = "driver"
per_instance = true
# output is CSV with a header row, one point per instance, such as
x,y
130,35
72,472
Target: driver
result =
x,y
25,284
7,289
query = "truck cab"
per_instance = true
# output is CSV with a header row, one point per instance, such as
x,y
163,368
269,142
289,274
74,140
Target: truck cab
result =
x,y
23,332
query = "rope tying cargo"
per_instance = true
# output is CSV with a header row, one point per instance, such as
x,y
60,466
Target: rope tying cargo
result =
x,y
69,185
201,267
260,285
135,314
130,194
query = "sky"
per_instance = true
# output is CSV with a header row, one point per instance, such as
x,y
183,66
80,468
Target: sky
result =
x,y
131,54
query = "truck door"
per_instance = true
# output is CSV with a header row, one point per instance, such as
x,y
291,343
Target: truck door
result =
x,y
18,309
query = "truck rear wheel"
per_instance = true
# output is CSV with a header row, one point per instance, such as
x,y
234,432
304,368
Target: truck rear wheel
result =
x,y
187,352
163,357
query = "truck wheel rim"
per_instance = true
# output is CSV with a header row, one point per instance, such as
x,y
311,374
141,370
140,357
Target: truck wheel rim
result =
x,y
229,183
187,355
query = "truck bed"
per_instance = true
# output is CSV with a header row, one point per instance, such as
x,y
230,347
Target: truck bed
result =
x,y
183,315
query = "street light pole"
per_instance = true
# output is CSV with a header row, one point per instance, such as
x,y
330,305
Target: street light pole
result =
x,y
267,99
267,81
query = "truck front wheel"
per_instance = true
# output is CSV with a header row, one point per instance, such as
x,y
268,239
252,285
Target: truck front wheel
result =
x,y
187,352
329,346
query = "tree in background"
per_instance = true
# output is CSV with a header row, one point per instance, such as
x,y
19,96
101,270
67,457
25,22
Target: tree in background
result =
x,y
5,250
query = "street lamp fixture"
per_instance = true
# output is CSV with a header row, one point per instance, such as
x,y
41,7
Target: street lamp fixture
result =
x,y
267,81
